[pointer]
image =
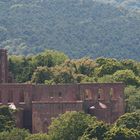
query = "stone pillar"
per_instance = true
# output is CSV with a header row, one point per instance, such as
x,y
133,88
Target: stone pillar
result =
x,y
19,118
28,96
16,97
3,66
4,94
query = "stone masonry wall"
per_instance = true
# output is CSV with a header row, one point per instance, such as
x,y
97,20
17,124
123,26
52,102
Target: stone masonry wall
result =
x,y
43,112
41,102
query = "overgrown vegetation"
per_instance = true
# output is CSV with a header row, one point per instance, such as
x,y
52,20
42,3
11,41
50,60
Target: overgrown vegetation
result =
x,y
80,126
7,121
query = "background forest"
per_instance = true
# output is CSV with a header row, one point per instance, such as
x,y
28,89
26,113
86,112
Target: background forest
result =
x,y
94,28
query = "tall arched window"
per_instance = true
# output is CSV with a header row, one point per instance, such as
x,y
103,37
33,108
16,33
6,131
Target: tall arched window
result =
x,y
0,97
88,94
10,96
60,94
21,99
100,94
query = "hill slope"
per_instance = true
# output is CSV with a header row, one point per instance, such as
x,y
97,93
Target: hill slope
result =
x,y
109,28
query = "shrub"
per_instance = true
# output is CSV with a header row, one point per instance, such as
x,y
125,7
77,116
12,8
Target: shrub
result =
x,y
14,134
38,137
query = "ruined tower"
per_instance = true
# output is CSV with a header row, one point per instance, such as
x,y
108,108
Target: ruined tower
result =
x,y
3,66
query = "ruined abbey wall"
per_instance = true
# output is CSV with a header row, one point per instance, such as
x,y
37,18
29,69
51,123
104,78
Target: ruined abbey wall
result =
x,y
38,104
42,102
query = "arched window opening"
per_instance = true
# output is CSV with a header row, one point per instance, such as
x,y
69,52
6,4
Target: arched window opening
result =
x,y
21,96
0,97
100,93
88,94
10,96
60,94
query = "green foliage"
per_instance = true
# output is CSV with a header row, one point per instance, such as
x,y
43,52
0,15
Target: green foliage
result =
x,y
49,58
117,133
132,98
129,120
41,74
75,71
126,76
14,134
87,79
85,66
7,121
63,75
106,79
87,28
85,137
37,137
26,68
69,126
95,131
3,34
21,68
131,65
107,66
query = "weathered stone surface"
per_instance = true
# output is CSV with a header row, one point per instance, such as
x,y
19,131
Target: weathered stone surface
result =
x,y
40,103
3,66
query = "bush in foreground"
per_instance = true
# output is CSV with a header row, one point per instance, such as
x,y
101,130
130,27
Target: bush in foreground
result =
x,y
117,133
129,120
95,131
7,121
38,137
14,134
70,126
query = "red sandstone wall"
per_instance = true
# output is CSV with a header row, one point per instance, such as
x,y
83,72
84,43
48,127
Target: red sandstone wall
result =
x,y
19,94
56,93
111,95
48,99
19,118
43,112
3,66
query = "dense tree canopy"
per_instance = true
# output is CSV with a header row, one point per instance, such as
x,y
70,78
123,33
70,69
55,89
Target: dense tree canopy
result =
x,y
108,28
14,134
7,121
129,120
96,130
37,137
70,126
126,76
41,74
80,126
117,133
132,98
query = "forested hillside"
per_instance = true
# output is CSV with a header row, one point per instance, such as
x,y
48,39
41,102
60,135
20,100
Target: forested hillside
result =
x,y
109,28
